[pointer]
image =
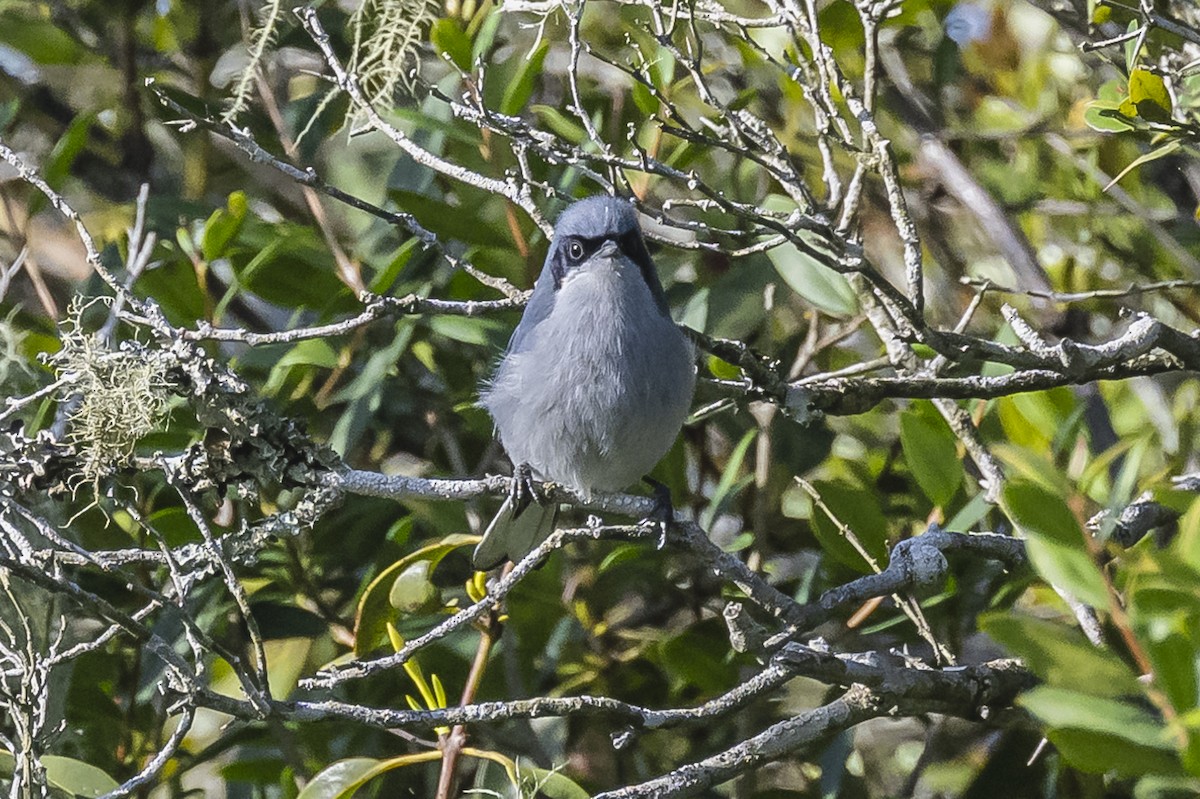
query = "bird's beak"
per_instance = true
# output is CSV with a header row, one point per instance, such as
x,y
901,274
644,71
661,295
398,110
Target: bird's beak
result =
x,y
608,249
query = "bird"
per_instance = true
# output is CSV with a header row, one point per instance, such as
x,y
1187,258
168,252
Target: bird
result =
x,y
597,379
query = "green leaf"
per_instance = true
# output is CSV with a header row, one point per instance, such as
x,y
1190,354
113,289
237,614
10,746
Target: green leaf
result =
x,y
478,330
486,35
931,451
520,88
66,775
383,281
375,608
223,226
1103,735
644,99
1106,117
76,777
174,287
623,553
1186,546
340,779
723,370
818,284
448,37
450,221
1155,154
68,147
1055,541
294,270
729,484
560,124
691,661
1148,97
1131,47
970,514
42,40
858,509
412,591
1059,654
550,784
310,352
62,157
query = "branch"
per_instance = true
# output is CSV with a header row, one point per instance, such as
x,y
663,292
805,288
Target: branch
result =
x,y
966,691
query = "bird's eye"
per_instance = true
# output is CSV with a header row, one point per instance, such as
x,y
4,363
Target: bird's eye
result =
x,y
575,251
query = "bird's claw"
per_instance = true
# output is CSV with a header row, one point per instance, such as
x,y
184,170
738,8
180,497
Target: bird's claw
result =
x,y
522,490
662,515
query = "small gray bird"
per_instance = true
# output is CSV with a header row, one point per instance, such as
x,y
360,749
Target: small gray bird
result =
x,y
597,379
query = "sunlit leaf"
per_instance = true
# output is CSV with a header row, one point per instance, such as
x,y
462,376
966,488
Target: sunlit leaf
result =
x,y
520,88
931,451
1059,654
375,610
815,282
858,509
1055,541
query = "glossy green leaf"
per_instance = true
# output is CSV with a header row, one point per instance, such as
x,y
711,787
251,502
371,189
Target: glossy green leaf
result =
x,y
375,609
450,39
931,452
1055,541
520,88
223,226
1059,655
412,591
818,284
858,509
1148,97
341,779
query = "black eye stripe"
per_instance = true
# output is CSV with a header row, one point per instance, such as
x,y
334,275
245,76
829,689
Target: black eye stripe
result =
x,y
574,250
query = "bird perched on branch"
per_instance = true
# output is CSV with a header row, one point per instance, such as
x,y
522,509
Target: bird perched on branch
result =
x,y
597,379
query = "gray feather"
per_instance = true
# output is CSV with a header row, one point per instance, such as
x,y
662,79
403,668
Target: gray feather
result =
x,y
597,379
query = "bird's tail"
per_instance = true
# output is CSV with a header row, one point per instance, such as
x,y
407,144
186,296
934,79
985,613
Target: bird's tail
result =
x,y
514,532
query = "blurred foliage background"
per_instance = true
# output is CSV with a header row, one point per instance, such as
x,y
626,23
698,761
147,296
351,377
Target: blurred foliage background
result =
x,y
982,101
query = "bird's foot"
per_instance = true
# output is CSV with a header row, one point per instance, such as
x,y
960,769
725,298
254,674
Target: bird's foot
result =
x,y
522,490
662,515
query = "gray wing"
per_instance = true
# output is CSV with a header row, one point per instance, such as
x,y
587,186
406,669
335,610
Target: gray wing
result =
x,y
540,304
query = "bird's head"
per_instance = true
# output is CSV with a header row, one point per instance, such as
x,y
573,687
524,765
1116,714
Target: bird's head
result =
x,y
596,233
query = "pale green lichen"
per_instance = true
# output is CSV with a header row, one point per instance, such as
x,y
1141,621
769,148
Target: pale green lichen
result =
x,y
261,40
11,357
115,397
387,34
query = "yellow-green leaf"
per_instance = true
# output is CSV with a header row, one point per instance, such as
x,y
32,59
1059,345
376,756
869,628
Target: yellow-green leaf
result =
x,y
1148,94
1055,541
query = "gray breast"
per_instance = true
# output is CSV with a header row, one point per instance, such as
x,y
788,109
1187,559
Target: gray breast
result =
x,y
599,389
